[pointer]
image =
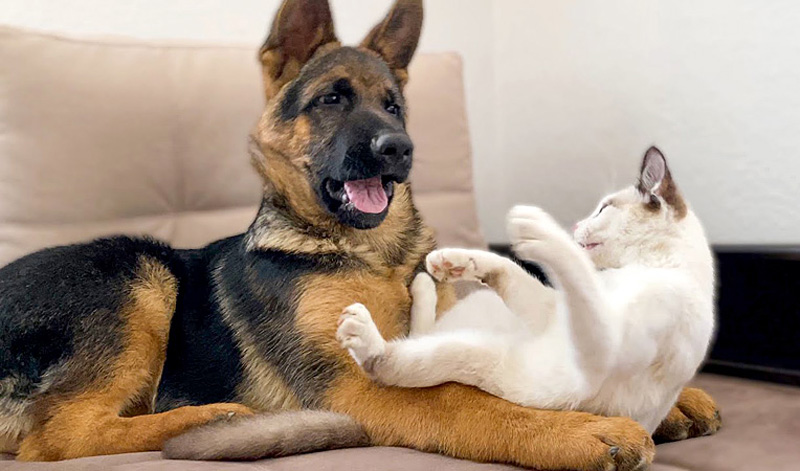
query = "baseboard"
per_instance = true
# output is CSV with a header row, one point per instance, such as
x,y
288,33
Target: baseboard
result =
x,y
758,312
759,373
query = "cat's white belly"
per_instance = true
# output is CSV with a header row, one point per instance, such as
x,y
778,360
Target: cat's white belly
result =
x,y
484,311
483,315
641,398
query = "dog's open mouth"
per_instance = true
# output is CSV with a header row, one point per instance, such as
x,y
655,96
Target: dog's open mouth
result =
x,y
369,196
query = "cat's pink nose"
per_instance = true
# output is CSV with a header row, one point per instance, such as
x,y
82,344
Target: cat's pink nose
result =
x,y
575,227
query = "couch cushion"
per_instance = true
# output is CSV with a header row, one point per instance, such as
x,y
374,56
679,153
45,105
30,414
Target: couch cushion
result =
x,y
362,459
100,137
761,429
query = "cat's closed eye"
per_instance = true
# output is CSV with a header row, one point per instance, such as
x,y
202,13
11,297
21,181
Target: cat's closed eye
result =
x,y
605,205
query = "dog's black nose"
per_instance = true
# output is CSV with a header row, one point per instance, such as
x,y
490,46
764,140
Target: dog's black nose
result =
x,y
392,146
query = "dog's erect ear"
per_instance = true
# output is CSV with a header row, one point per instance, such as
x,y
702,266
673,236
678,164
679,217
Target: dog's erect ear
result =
x,y
300,28
395,38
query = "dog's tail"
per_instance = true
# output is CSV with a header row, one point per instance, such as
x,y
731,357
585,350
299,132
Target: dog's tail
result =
x,y
268,436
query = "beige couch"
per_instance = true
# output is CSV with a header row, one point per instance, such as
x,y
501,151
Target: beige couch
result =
x,y
100,137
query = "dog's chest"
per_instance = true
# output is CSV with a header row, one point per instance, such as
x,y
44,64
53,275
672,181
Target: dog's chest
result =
x,y
390,305
324,297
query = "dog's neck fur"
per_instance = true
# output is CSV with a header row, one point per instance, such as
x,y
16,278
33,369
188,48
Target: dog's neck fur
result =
x,y
290,220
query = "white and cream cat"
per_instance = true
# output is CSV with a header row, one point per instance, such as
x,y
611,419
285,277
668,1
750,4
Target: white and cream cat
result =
x,y
626,327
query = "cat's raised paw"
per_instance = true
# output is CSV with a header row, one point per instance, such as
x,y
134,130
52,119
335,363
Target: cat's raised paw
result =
x,y
359,335
454,264
534,234
531,223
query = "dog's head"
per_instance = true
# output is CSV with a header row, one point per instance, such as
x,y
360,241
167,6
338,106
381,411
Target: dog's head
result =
x,y
333,133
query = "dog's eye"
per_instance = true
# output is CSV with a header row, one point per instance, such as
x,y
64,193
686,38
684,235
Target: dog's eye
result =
x,y
393,108
329,99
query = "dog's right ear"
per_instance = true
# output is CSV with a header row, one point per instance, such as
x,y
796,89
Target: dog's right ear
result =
x,y
300,29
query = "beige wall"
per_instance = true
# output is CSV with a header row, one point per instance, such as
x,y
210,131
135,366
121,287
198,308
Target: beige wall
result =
x,y
564,96
585,86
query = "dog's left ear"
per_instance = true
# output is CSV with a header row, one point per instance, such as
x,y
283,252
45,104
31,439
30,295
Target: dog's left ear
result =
x,y
301,28
395,38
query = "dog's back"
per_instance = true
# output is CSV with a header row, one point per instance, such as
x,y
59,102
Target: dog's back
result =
x,y
63,314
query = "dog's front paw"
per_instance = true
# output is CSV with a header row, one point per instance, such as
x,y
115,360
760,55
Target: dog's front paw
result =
x,y
627,445
535,235
360,336
454,264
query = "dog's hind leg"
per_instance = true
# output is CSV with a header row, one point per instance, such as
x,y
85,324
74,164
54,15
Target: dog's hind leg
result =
x,y
74,420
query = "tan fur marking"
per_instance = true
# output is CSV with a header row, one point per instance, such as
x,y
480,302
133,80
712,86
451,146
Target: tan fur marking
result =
x,y
703,411
15,418
325,296
669,191
467,423
90,422
674,427
445,297
263,389
694,415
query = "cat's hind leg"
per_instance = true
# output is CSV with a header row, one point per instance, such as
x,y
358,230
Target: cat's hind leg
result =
x,y
423,361
423,307
358,333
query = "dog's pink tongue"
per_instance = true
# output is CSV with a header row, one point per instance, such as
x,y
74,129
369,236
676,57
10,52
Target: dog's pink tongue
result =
x,y
367,195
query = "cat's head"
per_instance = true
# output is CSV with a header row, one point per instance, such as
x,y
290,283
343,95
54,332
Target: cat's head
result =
x,y
630,224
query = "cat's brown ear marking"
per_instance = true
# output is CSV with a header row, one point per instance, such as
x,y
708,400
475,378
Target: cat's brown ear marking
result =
x,y
300,29
655,179
396,37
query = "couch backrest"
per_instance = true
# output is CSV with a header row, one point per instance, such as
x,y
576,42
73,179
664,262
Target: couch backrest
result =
x,y
100,137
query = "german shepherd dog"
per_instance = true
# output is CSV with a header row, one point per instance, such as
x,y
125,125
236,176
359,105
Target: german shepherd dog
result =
x,y
121,344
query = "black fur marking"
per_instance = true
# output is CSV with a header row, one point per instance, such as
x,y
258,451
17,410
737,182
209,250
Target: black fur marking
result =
x,y
290,104
203,363
63,304
257,290
262,291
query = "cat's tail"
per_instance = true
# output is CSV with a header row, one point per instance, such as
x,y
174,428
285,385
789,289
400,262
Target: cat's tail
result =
x,y
268,436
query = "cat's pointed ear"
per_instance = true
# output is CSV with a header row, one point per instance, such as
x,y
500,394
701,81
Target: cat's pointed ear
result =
x,y
655,181
396,38
653,172
300,29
